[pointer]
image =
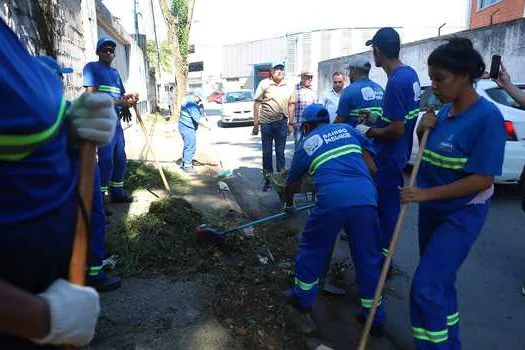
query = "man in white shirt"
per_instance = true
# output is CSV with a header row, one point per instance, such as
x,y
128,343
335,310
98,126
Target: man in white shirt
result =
x,y
330,99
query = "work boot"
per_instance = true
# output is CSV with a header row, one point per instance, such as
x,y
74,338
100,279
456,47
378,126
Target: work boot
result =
x,y
266,185
375,331
189,170
298,315
105,283
121,198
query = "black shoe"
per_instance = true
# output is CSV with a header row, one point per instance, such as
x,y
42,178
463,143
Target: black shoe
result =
x,y
266,185
375,331
122,198
107,284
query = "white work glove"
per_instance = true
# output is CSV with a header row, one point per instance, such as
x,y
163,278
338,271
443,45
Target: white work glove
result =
x,y
362,128
74,314
93,117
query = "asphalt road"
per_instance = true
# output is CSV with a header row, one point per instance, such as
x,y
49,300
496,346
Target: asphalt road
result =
x,y
492,310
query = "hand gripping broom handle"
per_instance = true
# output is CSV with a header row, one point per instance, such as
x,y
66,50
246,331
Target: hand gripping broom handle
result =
x,y
77,265
392,248
148,141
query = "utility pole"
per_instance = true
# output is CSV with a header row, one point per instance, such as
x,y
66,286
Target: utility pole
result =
x,y
157,46
439,29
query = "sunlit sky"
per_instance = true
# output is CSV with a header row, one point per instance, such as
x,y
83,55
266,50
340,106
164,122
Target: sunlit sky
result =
x,y
229,21
218,22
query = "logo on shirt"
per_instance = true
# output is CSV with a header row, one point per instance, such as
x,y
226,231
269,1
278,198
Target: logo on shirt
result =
x,y
417,91
312,144
447,147
368,93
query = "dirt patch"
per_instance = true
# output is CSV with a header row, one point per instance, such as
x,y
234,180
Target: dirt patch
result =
x,y
250,271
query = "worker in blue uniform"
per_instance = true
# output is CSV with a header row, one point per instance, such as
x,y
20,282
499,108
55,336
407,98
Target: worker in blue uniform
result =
x,y
100,76
393,132
97,277
362,101
340,161
39,202
454,186
189,121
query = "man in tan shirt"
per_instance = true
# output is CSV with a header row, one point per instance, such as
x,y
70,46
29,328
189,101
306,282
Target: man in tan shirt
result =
x,y
274,104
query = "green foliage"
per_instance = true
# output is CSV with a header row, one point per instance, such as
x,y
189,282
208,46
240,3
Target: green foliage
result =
x,y
166,56
180,8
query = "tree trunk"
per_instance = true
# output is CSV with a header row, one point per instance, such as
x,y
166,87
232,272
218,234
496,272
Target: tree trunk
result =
x,y
179,64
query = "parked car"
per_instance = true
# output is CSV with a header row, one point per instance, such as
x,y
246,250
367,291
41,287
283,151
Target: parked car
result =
x,y
237,107
216,97
514,158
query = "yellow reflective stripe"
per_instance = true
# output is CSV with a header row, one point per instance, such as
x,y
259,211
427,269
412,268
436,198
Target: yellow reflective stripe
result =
x,y
455,163
384,251
367,303
37,138
373,110
116,184
103,188
453,319
14,157
306,286
95,270
107,88
430,336
412,114
385,119
331,154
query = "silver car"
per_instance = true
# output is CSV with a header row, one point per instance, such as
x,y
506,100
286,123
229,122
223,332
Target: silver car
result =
x,y
237,107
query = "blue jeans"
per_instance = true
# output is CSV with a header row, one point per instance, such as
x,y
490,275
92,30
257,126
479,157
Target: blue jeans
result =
x,y
189,137
278,132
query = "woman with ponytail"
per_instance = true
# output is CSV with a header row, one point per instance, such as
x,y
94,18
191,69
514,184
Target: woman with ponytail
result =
x,y
454,186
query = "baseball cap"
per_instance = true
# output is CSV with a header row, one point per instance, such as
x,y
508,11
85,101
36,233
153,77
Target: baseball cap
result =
x,y
315,112
306,73
360,62
385,38
104,41
52,64
277,64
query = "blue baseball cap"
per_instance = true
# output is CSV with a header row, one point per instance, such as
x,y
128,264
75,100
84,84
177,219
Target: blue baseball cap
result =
x,y
385,38
52,64
105,41
315,113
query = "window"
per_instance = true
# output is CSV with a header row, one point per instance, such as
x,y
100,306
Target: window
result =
x,y
486,3
502,97
238,96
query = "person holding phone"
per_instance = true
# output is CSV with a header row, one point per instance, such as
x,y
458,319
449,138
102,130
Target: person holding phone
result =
x,y
455,182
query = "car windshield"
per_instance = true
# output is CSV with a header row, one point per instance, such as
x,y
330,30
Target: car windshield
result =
x,y
502,97
238,96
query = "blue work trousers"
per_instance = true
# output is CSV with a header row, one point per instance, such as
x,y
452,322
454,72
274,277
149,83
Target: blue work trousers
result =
x,y
189,138
388,181
444,243
274,132
319,234
35,253
112,163
98,232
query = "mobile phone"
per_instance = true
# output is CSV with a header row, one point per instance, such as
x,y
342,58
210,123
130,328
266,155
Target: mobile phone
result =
x,y
494,66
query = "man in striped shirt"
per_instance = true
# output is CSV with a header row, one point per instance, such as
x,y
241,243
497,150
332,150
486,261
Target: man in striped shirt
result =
x,y
304,96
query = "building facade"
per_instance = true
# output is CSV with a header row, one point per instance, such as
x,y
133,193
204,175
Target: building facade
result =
x,y
488,12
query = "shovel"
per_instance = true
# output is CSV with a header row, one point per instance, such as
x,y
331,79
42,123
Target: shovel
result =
x,y
211,234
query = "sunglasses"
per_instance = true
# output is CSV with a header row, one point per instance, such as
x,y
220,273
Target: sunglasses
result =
x,y
107,50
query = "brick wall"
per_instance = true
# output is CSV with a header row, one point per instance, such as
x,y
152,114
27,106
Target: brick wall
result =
x,y
508,11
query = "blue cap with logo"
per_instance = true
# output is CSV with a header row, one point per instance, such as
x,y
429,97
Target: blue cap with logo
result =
x,y
315,113
385,38
105,41
52,64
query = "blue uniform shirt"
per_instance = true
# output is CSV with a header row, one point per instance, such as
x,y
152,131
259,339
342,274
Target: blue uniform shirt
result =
x,y
190,115
36,173
401,103
472,142
363,95
333,155
105,79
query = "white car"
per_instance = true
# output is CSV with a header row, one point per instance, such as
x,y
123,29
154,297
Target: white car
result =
x,y
514,159
237,107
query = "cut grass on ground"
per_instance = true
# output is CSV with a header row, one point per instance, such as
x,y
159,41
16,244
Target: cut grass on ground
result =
x,y
142,175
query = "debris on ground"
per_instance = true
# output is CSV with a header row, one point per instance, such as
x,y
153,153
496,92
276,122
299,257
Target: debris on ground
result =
x,y
141,175
253,270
